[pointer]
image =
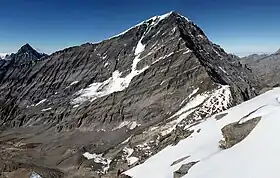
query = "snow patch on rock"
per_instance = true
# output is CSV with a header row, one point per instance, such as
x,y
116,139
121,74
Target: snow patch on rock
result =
x,y
74,83
98,158
249,158
35,175
40,102
115,83
223,70
129,124
155,20
106,64
47,109
131,160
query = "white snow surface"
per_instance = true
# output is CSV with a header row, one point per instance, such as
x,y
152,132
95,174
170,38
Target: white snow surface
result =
x,y
223,70
127,154
47,109
128,151
113,84
193,93
132,160
127,140
98,158
209,102
129,124
257,156
3,55
74,83
133,125
35,175
106,64
41,102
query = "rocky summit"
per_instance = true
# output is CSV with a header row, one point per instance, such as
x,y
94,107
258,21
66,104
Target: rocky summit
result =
x,y
97,110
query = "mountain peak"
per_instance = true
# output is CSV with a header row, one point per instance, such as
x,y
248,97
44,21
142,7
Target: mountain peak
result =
x,y
26,54
164,16
153,20
27,48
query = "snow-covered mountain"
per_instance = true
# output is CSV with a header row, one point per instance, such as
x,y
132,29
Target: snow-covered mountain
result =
x,y
100,109
253,128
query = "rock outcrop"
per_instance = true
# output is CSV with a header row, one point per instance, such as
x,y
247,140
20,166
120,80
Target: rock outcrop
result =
x,y
184,169
235,132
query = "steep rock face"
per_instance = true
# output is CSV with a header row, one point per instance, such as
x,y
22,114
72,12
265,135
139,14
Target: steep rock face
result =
x,y
145,84
93,63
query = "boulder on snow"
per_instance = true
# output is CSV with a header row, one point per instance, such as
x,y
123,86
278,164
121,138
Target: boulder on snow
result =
x,y
184,169
220,116
235,132
180,160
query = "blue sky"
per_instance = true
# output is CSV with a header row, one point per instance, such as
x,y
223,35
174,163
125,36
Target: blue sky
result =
x,y
240,26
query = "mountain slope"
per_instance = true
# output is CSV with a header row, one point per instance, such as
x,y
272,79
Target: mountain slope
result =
x,y
104,107
202,146
265,67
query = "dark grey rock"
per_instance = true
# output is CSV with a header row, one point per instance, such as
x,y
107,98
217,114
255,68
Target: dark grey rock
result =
x,y
184,169
180,160
235,132
220,116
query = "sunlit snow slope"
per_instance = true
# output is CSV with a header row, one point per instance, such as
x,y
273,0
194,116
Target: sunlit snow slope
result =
x,y
257,156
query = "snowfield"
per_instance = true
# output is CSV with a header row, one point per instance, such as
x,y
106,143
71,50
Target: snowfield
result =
x,y
257,156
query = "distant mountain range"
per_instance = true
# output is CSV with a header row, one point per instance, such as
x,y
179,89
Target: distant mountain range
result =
x,y
265,66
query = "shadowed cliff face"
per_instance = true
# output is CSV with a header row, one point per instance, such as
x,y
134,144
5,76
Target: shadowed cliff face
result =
x,y
94,96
